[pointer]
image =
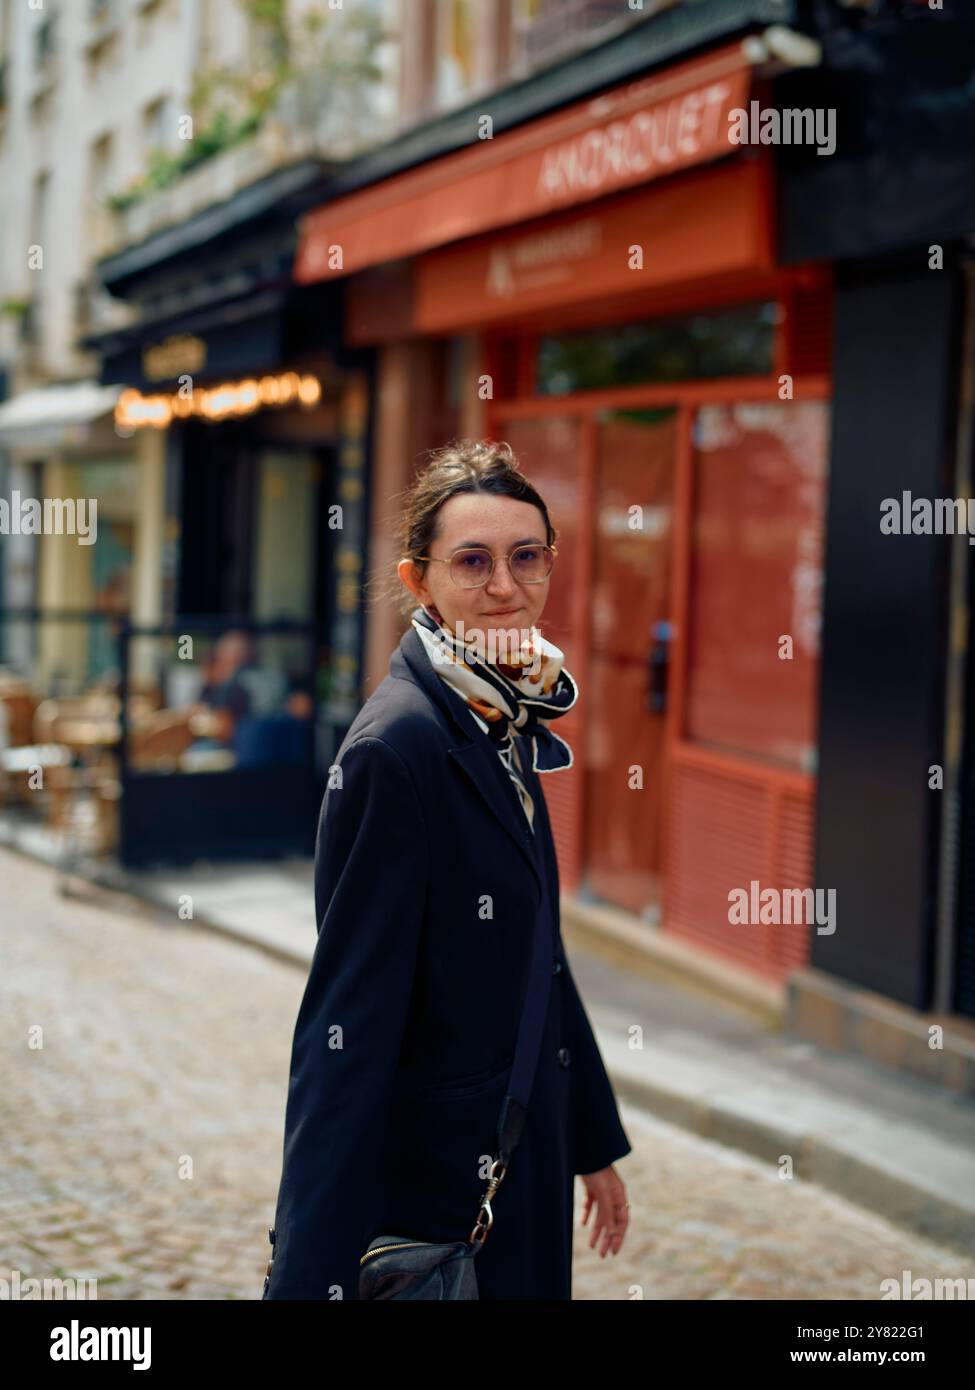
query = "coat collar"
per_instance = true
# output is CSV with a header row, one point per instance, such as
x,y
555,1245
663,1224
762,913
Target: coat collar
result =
x,y
474,753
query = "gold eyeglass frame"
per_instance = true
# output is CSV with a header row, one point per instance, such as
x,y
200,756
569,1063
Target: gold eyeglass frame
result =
x,y
500,556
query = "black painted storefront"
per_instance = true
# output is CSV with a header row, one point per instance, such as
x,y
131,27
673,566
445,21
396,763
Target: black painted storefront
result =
x,y
885,614
893,210
223,280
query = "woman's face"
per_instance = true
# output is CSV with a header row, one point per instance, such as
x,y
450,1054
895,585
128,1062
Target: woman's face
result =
x,y
499,524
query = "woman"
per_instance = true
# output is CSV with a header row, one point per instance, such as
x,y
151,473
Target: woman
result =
x,y
434,857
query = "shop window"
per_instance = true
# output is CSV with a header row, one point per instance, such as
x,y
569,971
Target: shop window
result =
x,y
160,125
97,215
729,342
220,699
282,582
45,42
547,30
456,60
756,578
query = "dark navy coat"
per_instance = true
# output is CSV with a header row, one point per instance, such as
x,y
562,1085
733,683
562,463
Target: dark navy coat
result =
x,y
428,880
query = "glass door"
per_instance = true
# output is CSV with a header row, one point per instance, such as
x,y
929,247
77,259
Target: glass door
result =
x,y
630,638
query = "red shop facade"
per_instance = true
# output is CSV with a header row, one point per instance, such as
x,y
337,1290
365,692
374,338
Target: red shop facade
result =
x,y
665,384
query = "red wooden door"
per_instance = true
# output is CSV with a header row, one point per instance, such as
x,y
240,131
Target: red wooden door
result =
x,y
630,613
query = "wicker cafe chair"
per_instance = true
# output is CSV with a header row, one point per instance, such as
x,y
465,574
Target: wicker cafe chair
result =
x,y
106,793
31,744
158,743
75,790
71,709
62,779
18,765
19,703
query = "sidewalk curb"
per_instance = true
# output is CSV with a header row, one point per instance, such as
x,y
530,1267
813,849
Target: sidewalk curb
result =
x,y
118,885
623,941
816,1158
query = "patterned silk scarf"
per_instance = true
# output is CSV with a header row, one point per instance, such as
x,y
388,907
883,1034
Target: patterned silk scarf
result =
x,y
506,697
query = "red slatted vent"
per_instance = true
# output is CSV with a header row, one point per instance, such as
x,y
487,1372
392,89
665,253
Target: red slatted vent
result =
x,y
794,869
810,333
723,832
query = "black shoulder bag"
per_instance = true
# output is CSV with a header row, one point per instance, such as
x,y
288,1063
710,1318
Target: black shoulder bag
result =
x,y
398,1267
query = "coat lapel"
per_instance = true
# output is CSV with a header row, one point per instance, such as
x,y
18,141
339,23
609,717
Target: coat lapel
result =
x,y
475,754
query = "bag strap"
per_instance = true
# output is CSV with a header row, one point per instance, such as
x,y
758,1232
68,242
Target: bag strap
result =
x,y
531,1028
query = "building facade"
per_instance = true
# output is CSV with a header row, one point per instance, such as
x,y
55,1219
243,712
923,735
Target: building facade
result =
x,y
715,357
599,286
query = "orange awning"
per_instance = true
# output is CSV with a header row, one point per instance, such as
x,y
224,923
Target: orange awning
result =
x,y
637,132
705,223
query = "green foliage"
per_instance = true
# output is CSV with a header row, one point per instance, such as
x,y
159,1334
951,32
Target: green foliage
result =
x,y
272,15
165,169
324,65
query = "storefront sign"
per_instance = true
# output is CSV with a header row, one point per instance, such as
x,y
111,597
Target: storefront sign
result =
x,y
638,132
181,353
662,136
135,410
706,224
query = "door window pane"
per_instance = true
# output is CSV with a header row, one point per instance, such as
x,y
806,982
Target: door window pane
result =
x,y
756,578
629,613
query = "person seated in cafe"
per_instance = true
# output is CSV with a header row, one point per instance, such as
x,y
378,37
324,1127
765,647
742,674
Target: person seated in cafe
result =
x,y
225,697
285,738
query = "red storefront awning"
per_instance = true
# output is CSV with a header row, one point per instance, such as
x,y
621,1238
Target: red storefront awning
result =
x,y
638,132
707,223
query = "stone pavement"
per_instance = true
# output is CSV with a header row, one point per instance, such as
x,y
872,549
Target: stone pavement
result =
x,y
898,1145
143,1140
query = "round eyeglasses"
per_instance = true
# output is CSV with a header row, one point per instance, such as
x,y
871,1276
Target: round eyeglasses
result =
x,y
469,569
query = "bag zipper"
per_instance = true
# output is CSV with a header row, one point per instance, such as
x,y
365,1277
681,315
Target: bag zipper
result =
x,y
400,1245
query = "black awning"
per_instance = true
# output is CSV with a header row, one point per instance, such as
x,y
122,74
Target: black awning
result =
x,y
242,336
274,199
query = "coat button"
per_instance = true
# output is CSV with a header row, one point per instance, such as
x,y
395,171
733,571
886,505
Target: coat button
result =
x,y
271,1234
564,1056
557,968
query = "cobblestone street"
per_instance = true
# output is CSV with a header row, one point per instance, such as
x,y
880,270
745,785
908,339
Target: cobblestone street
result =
x,y
142,1142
